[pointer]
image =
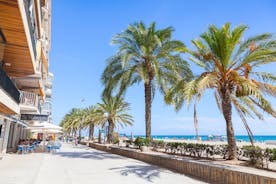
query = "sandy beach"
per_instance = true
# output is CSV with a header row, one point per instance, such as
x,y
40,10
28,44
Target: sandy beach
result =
x,y
240,144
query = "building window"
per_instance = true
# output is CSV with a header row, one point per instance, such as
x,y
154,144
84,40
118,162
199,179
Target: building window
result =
x,y
1,130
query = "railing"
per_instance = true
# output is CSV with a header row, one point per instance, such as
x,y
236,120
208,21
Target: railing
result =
x,y
30,11
28,99
7,85
48,92
48,83
46,108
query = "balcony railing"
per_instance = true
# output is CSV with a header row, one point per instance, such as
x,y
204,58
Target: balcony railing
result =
x,y
30,11
46,108
28,99
7,85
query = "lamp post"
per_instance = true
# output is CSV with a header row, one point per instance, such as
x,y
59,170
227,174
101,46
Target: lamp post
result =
x,y
82,119
105,128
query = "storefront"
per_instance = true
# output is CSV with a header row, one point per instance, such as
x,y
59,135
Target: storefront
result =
x,y
11,131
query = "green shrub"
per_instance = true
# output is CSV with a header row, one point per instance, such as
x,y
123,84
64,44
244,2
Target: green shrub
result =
x,y
115,140
272,154
128,142
157,144
257,156
139,141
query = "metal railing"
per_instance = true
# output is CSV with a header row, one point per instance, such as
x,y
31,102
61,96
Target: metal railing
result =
x,y
46,108
28,99
7,85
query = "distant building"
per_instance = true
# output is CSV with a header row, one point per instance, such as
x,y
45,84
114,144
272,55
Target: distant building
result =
x,y
25,39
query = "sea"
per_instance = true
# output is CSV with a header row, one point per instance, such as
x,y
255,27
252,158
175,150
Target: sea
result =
x,y
257,138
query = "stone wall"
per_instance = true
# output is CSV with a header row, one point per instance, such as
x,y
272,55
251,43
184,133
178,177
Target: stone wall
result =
x,y
208,172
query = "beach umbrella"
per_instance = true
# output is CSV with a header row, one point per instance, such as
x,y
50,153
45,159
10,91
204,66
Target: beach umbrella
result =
x,y
50,131
44,128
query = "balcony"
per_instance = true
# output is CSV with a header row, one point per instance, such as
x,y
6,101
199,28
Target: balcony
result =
x,y
16,26
9,94
48,83
48,93
29,103
49,80
46,108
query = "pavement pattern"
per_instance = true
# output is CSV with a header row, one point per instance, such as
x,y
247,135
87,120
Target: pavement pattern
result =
x,y
83,165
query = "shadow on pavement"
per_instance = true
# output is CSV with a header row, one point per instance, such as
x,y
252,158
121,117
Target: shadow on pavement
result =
x,y
88,154
146,172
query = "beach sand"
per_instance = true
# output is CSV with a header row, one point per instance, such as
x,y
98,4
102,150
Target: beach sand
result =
x,y
239,144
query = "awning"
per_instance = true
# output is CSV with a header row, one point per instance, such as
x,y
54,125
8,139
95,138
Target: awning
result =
x,y
45,126
15,120
48,131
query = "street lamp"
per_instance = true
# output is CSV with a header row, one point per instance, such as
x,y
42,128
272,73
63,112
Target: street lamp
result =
x,y
82,119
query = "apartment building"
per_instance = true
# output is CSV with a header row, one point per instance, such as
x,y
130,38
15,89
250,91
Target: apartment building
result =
x,y
25,32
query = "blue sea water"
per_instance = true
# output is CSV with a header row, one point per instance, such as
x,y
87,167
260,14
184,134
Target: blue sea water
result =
x,y
257,138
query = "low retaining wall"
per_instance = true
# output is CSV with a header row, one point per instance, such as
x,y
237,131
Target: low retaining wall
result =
x,y
208,172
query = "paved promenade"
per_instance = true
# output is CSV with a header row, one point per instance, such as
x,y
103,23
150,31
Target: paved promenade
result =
x,y
82,165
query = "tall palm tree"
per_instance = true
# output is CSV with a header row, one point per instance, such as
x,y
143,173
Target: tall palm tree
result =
x,y
147,55
229,67
112,110
89,117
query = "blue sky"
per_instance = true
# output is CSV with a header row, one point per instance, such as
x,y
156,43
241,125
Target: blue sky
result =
x,y
81,35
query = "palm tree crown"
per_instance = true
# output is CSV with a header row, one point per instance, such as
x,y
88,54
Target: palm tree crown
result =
x,y
145,55
71,122
229,65
112,110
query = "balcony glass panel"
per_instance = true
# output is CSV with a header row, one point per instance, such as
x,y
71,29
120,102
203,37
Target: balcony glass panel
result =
x,y
7,85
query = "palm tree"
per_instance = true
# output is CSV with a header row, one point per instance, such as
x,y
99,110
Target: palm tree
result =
x,y
229,65
113,111
72,121
147,55
89,116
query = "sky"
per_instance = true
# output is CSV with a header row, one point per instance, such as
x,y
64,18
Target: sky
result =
x,y
80,44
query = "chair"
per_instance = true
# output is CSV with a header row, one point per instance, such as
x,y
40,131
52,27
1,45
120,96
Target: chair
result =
x,y
21,148
49,148
30,149
56,148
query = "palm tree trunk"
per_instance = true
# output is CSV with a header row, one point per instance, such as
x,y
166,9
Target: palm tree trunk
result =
x,y
148,101
196,122
79,134
227,113
110,131
91,131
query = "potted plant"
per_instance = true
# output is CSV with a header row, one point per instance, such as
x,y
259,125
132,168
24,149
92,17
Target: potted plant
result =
x,y
142,143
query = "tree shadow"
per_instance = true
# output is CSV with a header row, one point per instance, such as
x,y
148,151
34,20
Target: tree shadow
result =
x,y
147,172
88,155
